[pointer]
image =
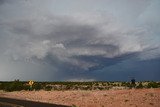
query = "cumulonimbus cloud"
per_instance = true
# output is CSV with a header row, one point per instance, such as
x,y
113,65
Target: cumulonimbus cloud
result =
x,y
68,36
81,41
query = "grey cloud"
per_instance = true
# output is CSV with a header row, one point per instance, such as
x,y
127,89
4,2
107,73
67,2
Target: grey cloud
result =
x,y
65,37
74,42
4,1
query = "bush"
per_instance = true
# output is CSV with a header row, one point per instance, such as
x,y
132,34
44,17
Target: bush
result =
x,y
48,88
152,85
15,86
158,84
140,85
1,86
26,87
37,86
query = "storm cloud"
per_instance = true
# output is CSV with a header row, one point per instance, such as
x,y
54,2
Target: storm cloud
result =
x,y
67,43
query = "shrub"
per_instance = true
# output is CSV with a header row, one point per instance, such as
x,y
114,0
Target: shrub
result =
x,y
158,84
26,87
37,86
15,86
152,85
1,86
48,88
140,85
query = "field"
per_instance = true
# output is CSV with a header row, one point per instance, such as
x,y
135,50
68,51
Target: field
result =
x,y
86,94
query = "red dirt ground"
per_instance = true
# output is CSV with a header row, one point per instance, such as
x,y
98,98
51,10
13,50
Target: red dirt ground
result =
x,y
107,98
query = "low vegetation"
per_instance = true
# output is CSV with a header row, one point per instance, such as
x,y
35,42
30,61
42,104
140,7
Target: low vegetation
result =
x,y
95,85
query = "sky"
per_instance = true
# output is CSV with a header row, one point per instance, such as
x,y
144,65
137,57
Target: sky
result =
x,y
80,40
